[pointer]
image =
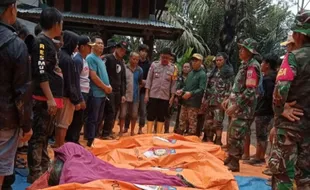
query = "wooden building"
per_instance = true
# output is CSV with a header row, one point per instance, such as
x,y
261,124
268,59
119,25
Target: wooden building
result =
x,y
138,18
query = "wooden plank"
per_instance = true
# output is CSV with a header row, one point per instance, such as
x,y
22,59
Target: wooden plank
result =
x,y
59,4
109,8
144,9
93,7
76,6
127,8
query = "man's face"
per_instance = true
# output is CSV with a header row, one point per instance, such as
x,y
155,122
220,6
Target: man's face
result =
x,y
165,59
99,46
219,61
244,54
11,11
264,66
120,52
143,54
196,63
134,59
58,28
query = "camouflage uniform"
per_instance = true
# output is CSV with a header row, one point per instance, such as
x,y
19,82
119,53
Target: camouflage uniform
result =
x,y
217,90
290,156
244,94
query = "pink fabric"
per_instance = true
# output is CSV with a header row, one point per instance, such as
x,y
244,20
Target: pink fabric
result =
x,y
81,166
285,73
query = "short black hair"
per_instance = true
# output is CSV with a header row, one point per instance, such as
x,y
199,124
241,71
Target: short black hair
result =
x,y
272,59
93,38
49,17
143,47
37,29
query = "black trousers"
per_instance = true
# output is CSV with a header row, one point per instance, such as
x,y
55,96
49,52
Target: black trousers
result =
x,y
157,109
111,108
73,133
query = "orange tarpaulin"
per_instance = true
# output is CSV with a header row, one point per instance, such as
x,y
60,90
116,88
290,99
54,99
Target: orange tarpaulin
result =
x,y
199,163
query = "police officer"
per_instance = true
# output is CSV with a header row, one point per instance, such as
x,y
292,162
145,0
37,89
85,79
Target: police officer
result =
x,y
290,156
160,89
242,102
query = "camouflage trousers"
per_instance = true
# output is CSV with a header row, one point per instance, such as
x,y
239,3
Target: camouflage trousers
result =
x,y
262,124
214,120
238,128
188,115
42,126
290,160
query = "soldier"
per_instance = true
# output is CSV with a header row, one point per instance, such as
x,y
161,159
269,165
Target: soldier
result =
x,y
192,94
160,89
217,90
290,157
242,102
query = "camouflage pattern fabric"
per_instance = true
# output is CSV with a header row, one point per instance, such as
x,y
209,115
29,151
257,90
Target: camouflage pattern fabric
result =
x,y
290,160
244,92
262,124
214,120
188,114
250,44
238,128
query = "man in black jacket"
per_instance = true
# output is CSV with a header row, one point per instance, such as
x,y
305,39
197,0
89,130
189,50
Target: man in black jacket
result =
x,y
48,91
264,112
15,89
72,91
117,77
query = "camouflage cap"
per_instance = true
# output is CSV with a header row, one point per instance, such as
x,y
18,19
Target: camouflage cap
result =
x,y
302,22
250,44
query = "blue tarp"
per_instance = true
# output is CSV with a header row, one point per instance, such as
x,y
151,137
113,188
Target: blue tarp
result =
x,y
245,183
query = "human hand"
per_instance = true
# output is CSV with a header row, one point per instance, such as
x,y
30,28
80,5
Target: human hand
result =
x,y
51,107
291,113
77,107
83,105
187,95
123,99
231,110
26,136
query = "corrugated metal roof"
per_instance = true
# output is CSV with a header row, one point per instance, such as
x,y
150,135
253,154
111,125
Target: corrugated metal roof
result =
x,y
104,18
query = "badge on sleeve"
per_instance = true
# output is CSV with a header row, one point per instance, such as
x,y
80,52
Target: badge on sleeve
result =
x,y
251,77
285,72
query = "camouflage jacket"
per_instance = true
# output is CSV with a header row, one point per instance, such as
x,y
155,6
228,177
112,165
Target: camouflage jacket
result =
x,y
219,85
293,84
244,92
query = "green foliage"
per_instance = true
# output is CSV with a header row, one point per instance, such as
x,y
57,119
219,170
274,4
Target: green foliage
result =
x,y
185,58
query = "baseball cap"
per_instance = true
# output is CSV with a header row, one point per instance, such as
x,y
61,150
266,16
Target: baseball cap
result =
x,y
85,40
5,3
123,44
197,56
289,40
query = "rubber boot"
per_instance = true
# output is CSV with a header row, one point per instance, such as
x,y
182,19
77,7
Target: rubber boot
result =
x,y
227,160
218,140
233,165
149,128
160,128
167,125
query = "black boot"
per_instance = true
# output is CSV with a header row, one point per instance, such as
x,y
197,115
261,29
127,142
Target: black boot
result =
x,y
218,140
233,165
227,160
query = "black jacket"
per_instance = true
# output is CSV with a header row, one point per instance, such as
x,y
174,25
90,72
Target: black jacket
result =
x,y
15,80
264,104
71,75
117,74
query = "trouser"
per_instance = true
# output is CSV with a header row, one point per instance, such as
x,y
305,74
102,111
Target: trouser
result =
x,y
290,160
262,124
73,133
142,113
42,126
111,108
200,123
157,109
177,122
214,121
95,115
189,114
237,131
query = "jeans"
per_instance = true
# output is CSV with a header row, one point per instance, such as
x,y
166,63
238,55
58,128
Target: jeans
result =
x,y
73,133
95,115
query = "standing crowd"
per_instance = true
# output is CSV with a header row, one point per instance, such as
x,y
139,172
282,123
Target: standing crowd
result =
x,y
56,82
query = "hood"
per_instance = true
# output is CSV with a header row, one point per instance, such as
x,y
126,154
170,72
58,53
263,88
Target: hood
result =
x,y
7,34
70,41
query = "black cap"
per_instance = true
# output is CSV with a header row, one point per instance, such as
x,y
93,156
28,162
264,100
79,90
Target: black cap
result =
x,y
85,40
123,44
166,51
5,3
111,43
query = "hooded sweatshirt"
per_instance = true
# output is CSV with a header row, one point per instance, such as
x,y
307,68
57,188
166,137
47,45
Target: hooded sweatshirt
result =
x,y
264,105
71,75
15,88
